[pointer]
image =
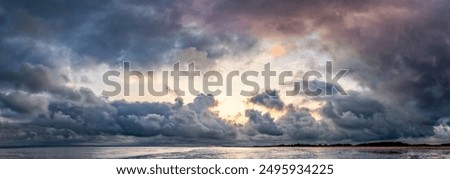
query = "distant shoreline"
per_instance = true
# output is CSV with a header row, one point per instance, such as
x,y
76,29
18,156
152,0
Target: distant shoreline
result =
x,y
371,145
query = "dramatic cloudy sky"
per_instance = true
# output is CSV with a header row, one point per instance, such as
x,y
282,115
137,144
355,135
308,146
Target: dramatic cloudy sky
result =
x,y
53,55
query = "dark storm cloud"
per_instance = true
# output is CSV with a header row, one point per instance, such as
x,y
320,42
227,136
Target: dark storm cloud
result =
x,y
219,44
272,18
353,118
360,117
24,103
298,124
34,78
86,120
13,134
193,120
402,48
404,61
144,32
39,41
259,123
357,103
269,98
402,54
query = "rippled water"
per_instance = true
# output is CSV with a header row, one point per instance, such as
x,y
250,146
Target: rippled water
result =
x,y
226,152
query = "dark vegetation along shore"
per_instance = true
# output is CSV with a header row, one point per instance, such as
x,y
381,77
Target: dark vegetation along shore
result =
x,y
372,144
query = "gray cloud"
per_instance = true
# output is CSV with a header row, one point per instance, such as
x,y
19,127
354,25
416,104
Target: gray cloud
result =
x,y
362,118
261,124
400,54
83,121
34,78
298,124
147,33
24,103
269,98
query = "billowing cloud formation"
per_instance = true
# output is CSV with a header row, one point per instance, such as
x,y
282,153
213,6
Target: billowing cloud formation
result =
x,y
301,126
397,54
99,117
402,51
23,103
261,124
147,33
270,99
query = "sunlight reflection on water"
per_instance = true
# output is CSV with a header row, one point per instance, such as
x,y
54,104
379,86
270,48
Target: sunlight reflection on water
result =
x,y
226,152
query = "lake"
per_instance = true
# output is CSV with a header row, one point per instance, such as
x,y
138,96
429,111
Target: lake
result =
x,y
226,152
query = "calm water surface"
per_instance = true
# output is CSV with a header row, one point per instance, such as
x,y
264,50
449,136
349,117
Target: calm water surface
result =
x,y
226,152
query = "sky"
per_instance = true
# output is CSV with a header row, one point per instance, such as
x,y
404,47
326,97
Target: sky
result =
x,y
53,55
